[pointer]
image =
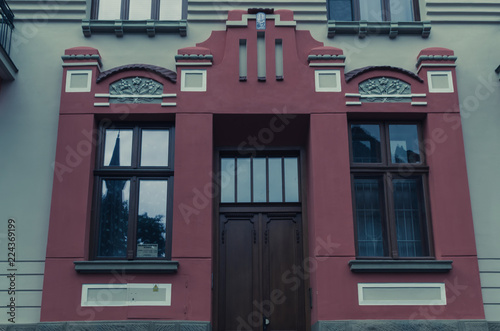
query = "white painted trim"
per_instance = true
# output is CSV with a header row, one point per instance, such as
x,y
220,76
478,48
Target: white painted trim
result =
x,y
353,103
246,17
352,95
358,95
169,95
420,103
419,95
156,96
169,104
432,89
203,88
317,73
316,64
129,301
435,65
101,104
80,64
409,302
70,89
178,63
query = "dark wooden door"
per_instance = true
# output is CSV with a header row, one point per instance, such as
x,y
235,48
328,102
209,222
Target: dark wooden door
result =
x,y
261,281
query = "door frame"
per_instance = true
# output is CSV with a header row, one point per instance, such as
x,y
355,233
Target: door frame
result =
x,y
259,207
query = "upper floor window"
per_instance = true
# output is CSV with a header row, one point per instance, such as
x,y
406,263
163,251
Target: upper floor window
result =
x,y
373,10
163,10
133,193
389,178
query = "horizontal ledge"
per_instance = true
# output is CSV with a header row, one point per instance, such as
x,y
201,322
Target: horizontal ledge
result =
x,y
392,29
137,266
119,27
400,266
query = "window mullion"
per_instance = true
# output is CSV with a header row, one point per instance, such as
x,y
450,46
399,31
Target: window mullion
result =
x,y
155,10
390,216
386,10
125,9
132,218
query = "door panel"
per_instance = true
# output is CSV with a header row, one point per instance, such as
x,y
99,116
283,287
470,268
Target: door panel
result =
x,y
260,257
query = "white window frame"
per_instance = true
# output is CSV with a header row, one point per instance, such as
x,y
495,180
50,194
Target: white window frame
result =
x,y
86,303
70,73
318,88
433,89
185,88
409,302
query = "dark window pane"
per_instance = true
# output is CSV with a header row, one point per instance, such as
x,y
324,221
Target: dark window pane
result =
x,y
370,10
291,179
118,147
152,218
404,143
408,211
243,179
113,218
370,230
154,148
366,143
275,180
402,10
259,179
340,10
227,179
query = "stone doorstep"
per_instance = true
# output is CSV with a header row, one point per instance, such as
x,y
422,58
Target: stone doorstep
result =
x,y
407,325
111,326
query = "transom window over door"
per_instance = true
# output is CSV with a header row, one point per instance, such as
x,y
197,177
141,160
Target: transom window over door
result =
x,y
260,179
133,196
164,10
374,10
389,190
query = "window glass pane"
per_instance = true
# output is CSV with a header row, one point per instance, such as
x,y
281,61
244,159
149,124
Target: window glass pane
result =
x,y
371,234
109,9
154,148
407,210
243,179
152,218
291,179
170,10
404,143
259,179
370,10
139,10
113,218
227,179
275,180
366,143
340,10
118,147
402,10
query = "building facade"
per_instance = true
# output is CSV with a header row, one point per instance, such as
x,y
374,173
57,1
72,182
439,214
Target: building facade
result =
x,y
305,166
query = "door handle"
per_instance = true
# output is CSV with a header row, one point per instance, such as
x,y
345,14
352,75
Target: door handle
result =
x,y
266,322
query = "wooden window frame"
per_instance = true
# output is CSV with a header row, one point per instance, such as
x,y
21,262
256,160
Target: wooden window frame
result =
x,y
385,8
134,173
386,171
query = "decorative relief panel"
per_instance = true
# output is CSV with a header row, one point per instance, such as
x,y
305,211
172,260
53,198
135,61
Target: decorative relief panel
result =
x,y
382,89
135,90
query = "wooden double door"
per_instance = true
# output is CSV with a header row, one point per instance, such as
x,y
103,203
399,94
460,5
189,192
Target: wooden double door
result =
x,y
260,271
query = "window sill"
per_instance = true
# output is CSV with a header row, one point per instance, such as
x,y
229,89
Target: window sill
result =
x,y
430,266
393,29
119,27
137,267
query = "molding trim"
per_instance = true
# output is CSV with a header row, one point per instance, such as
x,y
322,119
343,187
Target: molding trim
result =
x,y
246,17
119,27
418,266
135,266
392,29
83,57
435,58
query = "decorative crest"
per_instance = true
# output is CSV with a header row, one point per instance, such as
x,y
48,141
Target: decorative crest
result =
x,y
135,90
382,89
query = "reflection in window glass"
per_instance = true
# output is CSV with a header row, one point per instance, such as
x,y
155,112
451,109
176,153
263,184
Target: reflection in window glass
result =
x,y
407,211
340,10
404,143
370,10
259,180
368,217
366,143
227,179
139,10
118,147
291,179
113,218
243,179
154,148
275,180
152,218
109,9
401,10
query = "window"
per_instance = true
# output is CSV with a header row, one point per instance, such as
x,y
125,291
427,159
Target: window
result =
x,y
164,10
374,10
388,182
134,179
